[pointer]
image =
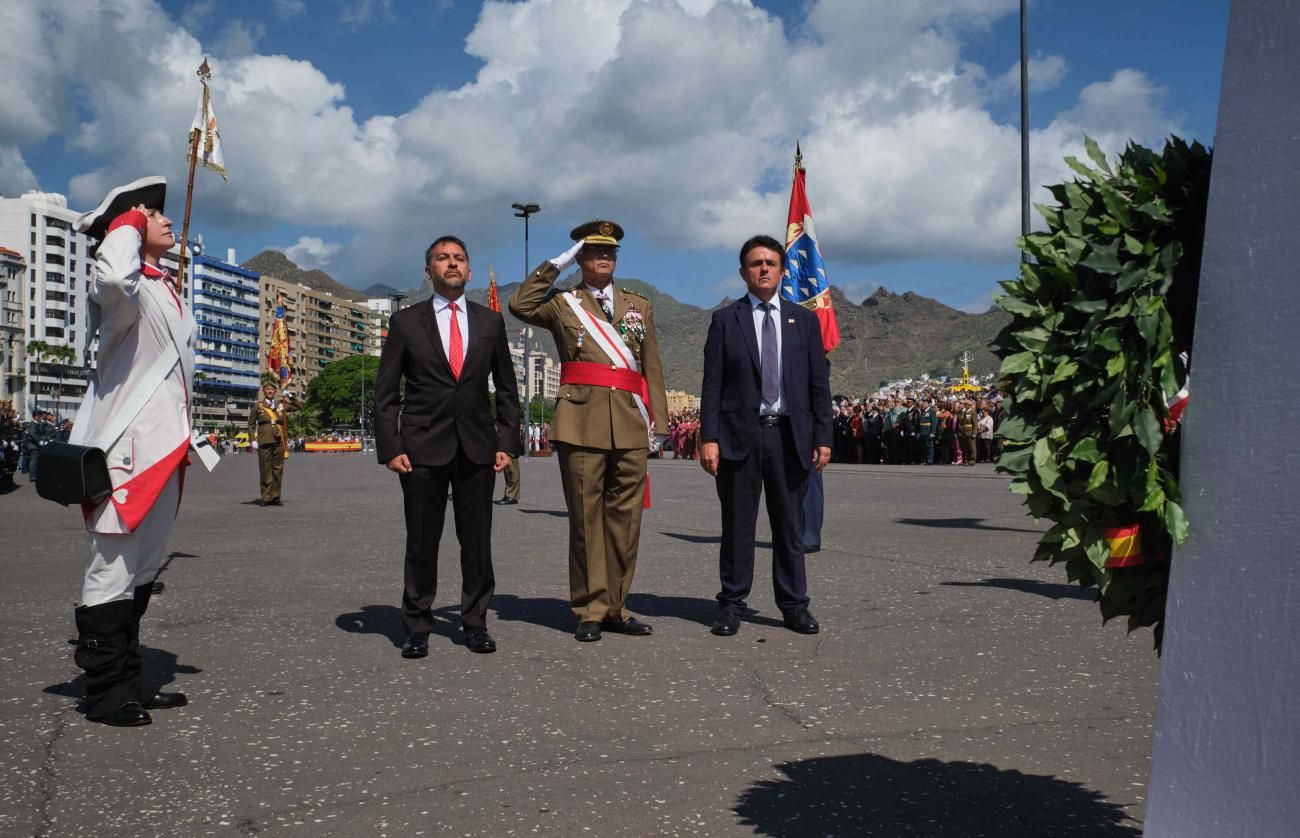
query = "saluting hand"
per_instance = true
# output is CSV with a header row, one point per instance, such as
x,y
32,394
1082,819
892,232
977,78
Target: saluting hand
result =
x,y
566,258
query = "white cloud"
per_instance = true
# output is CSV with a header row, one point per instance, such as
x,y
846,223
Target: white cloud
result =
x,y
691,147
286,9
240,37
357,13
1045,73
16,176
310,252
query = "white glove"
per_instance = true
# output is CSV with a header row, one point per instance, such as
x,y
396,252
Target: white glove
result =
x,y
254,445
566,258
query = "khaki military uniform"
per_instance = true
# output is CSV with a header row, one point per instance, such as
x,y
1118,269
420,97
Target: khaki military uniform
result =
x,y
265,425
601,442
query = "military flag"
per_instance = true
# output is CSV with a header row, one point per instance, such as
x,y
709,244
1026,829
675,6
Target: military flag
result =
x,y
278,358
494,301
804,281
207,150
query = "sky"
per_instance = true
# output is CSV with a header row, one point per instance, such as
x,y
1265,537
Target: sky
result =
x,y
357,131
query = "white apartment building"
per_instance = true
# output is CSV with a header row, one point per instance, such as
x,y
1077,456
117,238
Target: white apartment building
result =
x,y
544,376
13,353
381,308
38,225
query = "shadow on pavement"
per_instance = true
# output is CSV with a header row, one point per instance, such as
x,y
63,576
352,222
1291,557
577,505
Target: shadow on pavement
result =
x,y
160,669
694,609
556,513
547,612
710,539
1051,590
960,524
871,795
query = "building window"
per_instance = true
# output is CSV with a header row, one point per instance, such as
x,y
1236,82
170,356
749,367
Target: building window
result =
x,y
33,238
55,259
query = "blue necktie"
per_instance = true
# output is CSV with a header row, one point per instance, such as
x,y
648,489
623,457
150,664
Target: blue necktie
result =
x,y
767,360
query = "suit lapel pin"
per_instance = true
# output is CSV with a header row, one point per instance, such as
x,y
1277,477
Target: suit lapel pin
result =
x,y
791,320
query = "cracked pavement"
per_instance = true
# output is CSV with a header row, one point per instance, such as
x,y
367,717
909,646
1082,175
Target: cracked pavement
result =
x,y
954,690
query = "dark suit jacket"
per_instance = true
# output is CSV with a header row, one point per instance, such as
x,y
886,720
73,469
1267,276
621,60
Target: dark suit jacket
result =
x,y
437,413
732,392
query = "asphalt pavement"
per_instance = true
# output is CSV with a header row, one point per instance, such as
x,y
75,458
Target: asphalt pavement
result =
x,y
955,689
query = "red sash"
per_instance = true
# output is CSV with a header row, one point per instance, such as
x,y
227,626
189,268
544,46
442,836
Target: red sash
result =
x,y
599,375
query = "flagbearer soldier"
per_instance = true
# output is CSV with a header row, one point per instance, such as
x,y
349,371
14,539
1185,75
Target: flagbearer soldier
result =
x,y
611,411
267,427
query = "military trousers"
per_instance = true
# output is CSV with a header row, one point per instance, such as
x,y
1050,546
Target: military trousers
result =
x,y
270,465
512,479
604,491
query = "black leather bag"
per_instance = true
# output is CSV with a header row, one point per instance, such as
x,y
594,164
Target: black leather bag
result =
x,y
69,474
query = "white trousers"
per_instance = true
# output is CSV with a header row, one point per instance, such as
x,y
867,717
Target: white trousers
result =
x,y
119,564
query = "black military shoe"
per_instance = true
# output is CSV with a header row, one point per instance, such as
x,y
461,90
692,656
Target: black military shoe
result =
x,y
478,640
130,714
802,622
505,502
588,631
277,502
631,626
726,624
416,646
165,701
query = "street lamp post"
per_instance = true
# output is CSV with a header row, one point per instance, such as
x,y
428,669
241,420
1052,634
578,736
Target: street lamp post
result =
x,y
1024,124
524,210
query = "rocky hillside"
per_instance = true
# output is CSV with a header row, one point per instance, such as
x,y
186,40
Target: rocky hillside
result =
x,y
888,336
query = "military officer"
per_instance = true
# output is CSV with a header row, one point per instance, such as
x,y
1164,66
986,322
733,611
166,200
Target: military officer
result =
x,y
266,427
611,411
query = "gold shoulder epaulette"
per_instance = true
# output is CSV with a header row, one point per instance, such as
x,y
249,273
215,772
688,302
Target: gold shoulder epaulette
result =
x,y
634,293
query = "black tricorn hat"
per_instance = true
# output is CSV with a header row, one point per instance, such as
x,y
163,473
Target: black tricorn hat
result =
x,y
150,191
598,232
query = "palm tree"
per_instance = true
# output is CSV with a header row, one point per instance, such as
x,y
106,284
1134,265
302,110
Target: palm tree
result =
x,y
37,349
64,355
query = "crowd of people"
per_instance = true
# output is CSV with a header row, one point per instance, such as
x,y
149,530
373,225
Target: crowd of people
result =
x,y
21,442
924,427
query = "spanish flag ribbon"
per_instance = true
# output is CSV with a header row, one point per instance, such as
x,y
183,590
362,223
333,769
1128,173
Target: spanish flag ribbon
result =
x,y
1125,545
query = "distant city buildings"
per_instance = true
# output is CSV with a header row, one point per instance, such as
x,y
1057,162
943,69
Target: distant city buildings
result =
x,y
380,308
680,401
13,355
322,328
38,225
544,371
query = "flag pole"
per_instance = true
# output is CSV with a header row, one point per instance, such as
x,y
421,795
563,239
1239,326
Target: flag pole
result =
x,y
204,73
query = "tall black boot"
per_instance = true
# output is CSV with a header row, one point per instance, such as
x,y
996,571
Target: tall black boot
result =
x,y
104,637
150,699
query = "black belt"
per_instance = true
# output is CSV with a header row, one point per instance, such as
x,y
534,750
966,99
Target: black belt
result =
x,y
774,420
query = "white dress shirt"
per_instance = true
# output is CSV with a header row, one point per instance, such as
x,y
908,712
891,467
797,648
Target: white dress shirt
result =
x,y
779,406
606,293
442,311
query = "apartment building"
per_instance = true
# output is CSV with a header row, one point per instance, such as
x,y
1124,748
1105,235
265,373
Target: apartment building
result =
x,y
13,355
680,400
38,226
322,328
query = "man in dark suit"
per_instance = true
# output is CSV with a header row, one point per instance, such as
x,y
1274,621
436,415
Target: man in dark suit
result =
x,y
440,433
765,426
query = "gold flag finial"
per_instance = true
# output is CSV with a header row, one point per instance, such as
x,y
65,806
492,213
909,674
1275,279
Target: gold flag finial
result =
x,y
798,158
205,72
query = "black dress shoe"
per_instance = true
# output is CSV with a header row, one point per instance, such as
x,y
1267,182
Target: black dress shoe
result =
x,y
802,622
130,714
726,624
631,626
276,502
165,701
588,631
505,502
816,548
416,646
478,640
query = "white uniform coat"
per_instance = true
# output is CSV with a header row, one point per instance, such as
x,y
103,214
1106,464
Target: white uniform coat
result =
x,y
138,407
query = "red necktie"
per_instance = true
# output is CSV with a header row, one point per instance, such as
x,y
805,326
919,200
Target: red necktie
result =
x,y
457,345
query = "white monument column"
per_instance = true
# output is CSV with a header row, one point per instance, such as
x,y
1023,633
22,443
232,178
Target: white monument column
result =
x,y
1227,743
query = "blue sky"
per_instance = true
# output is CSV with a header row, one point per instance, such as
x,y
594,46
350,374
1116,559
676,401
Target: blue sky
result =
x,y
358,130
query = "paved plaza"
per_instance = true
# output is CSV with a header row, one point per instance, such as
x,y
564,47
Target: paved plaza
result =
x,y
955,690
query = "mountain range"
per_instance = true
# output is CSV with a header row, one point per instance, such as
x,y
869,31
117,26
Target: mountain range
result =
x,y
886,337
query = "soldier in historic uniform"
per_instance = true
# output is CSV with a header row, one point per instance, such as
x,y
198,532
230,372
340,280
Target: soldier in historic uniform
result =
x,y
612,409
266,426
927,426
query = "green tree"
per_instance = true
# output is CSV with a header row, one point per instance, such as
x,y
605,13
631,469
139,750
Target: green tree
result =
x,y
38,350
540,411
334,396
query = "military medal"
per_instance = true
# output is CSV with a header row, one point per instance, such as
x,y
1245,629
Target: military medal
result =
x,y
582,332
